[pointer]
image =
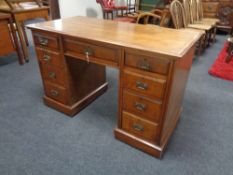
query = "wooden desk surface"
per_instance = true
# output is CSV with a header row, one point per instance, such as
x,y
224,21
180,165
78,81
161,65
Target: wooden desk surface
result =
x,y
155,39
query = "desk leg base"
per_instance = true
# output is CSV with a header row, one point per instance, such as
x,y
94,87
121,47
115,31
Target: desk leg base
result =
x,y
78,106
143,145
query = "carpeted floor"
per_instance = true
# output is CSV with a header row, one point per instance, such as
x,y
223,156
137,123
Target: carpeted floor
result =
x,y
37,140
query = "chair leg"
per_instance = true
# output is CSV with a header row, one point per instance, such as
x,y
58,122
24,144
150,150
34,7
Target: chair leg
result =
x,y
24,34
22,40
201,47
111,14
214,34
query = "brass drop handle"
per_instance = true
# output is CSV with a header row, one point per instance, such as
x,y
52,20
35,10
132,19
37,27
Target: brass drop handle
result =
x,y
142,86
88,52
43,41
138,127
52,75
54,93
46,57
140,106
144,64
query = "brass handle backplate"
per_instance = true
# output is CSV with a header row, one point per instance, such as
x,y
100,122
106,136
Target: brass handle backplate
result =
x,y
88,52
144,64
43,41
140,106
138,127
141,85
54,93
46,57
52,75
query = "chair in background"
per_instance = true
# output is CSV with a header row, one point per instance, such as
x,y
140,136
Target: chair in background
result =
x,y
165,16
200,16
189,19
22,10
148,18
109,7
179,22
133,6
197,17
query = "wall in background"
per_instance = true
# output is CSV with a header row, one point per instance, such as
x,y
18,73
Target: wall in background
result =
x,y
89,8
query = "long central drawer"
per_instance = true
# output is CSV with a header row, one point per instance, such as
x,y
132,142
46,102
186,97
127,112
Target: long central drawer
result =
x,y
91,52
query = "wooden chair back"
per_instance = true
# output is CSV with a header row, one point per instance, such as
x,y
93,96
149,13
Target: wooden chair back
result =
x,y
187,11
199,10
178,15
165,16
194,11
148,18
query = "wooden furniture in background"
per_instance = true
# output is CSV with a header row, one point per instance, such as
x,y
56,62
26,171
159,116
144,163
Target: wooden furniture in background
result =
x,y
109,7
179,19
54,10
229,56
8,39
152,74
220,9
230,41
21,12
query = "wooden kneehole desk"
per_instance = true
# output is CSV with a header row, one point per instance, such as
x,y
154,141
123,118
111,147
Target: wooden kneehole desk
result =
x,y
153,63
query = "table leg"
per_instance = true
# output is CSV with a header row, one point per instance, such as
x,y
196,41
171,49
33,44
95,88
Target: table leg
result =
x,y
16,42
24,34
22,40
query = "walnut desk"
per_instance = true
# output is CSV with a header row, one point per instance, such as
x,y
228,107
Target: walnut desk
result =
x,y
153,63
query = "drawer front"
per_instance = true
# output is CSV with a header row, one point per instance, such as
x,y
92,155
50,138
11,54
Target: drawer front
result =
x,y
210,7
46,40
49,57
142,107
146,63
88,51
55,92
140,128
53,74
151,87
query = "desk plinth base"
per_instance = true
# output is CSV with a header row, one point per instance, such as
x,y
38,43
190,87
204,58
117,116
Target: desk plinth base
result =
x,y
152,149
78,106
139,143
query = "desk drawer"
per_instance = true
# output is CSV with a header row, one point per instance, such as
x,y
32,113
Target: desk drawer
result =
x,y
46,40
142,107
90,52
139,127
146,63
151,87
55,92
49,57
210,7
53,74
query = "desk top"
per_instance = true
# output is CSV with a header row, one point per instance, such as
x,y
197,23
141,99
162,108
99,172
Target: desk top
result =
x,y
165,41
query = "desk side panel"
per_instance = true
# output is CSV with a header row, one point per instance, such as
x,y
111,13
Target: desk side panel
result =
x,y
180,74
